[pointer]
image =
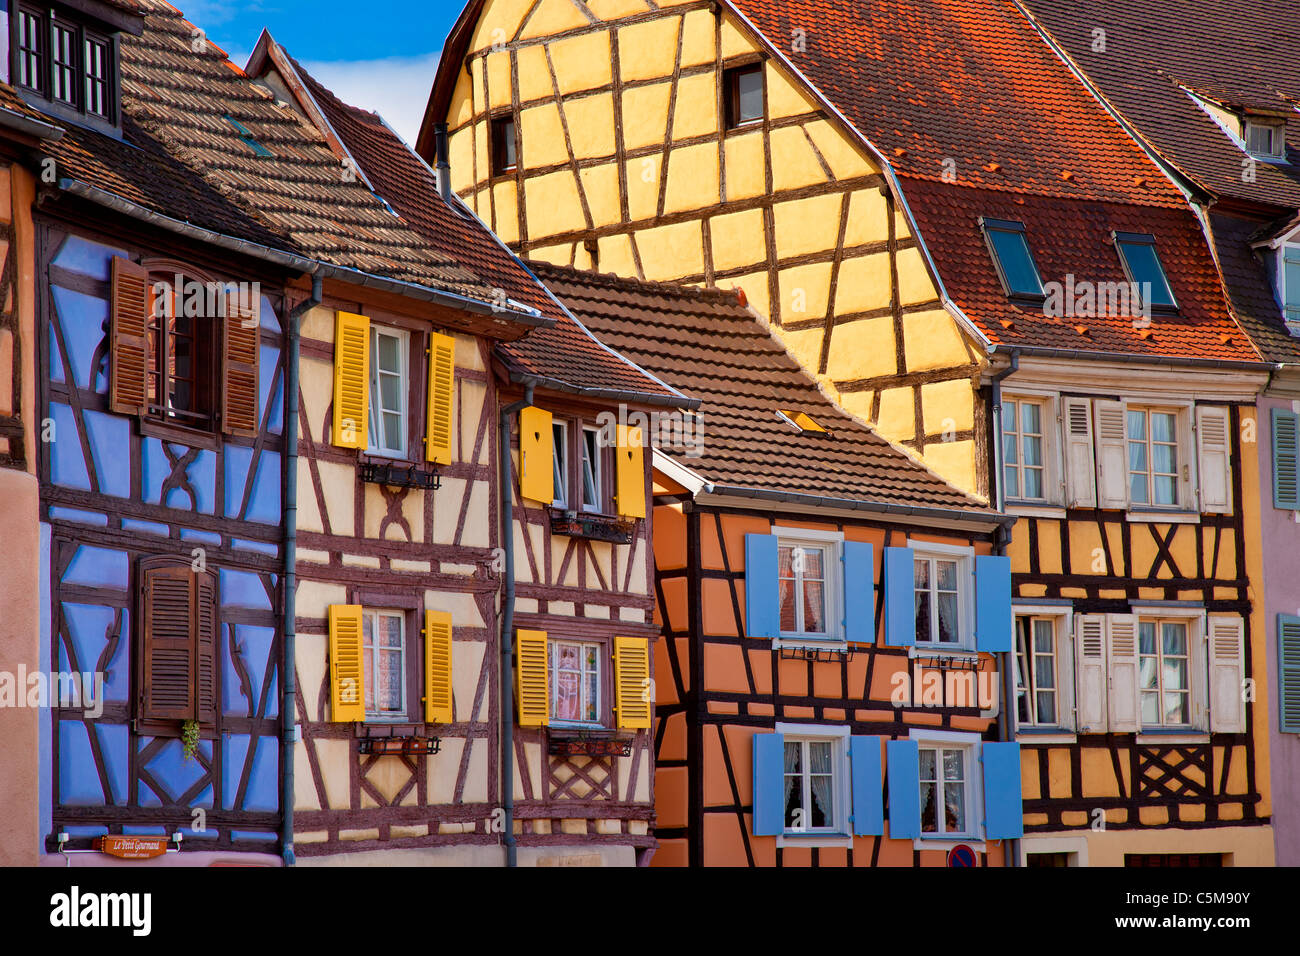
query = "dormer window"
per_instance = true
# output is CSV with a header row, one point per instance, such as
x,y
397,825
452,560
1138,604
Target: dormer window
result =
x,y
1265,139
1142,265
65,62
1015,263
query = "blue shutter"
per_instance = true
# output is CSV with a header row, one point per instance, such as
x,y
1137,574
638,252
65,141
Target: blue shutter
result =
x,y
1286,460
900,597
762,594
859,592
1288,673
993,603
1003,816
868,802
904,789
769,784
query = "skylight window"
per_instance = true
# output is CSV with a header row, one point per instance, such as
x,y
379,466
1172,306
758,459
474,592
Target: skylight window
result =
x,y
246,135
1015,263
1142,264
800,420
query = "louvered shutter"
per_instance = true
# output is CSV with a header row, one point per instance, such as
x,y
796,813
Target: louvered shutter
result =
x,y
859,592
632,682
900,597
351,380
1080,469
993,624
129,340
1003,807
167,690
629,473
437,667
762,594
1213,459
347,667
868,801
1286,460
1090,663
1227,666
903,770
1288,673
536,455
1125,711
532,683
769,784
205,648
1112,455
239,368
442,377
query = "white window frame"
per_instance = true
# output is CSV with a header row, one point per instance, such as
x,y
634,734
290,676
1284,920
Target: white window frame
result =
x,y
597,471
832,542
972,747
841,835
372,615
1196,687
1050,424
552,662
1196,618
1063,731
1184,411
560,438
376,409
1182,462
965,557
1278,128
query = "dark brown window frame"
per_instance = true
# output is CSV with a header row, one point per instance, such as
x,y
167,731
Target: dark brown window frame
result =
x,y
730,94
412,608
605,717
574,425
207,347
497,126
48,16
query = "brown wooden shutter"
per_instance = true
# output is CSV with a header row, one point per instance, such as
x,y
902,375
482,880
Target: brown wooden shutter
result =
x,y
239,367
129,338
205,649
167,686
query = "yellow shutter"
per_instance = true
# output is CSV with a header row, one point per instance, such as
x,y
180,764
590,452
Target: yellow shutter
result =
x,y
347,672
437,667
351,379
536,451
532,684
442,374
630,473
632,682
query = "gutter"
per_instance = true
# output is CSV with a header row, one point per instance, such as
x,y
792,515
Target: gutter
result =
x,y
507,716
299,263
855,504
1135,359
613,394
29,126
289,633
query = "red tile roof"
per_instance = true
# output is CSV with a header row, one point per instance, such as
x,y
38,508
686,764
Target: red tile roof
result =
x,y
706,343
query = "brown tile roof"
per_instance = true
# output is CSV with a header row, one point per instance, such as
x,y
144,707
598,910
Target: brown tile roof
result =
x,y
1250,289
183,158
1073,238
705,343
1242,53
564,354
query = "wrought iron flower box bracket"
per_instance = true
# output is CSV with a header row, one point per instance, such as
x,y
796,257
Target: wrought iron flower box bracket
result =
x,y
596,527
400,475
588,744
950,663
399,746
821,655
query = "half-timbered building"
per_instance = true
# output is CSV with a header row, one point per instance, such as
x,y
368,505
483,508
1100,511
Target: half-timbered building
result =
x,y
971,254
834,617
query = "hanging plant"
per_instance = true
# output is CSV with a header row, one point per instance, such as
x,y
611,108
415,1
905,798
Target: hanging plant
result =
x,y
190,739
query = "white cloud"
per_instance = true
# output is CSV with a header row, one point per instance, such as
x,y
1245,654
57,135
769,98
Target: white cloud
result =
x,y
397,87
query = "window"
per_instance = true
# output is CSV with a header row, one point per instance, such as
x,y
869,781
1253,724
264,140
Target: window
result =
x,y
1266,140
811,784
742,93
802,579
560,461
383,657
1142,265
1037,685
1023,449
1153,457
504,159
1011,256
1164,673
182,350
388,392
1289,281
64,61
575,682
1033,860
593,489
941,618
945,794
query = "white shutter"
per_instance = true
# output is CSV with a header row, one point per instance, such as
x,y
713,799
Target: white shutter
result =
x,y
1213,459
1090,654
1112,454
1080,471
1125,710
1227,660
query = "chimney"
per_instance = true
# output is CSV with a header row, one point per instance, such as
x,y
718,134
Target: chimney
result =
x,y
441,166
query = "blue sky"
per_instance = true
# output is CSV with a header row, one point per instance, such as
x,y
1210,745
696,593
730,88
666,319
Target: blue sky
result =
x,y
379,54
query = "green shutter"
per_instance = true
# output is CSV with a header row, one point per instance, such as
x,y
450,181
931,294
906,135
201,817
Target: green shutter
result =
x,y
1288,673
1286,460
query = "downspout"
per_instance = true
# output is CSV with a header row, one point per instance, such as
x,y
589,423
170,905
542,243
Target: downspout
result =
x,y
441,164
1006,727
289,705
507,715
